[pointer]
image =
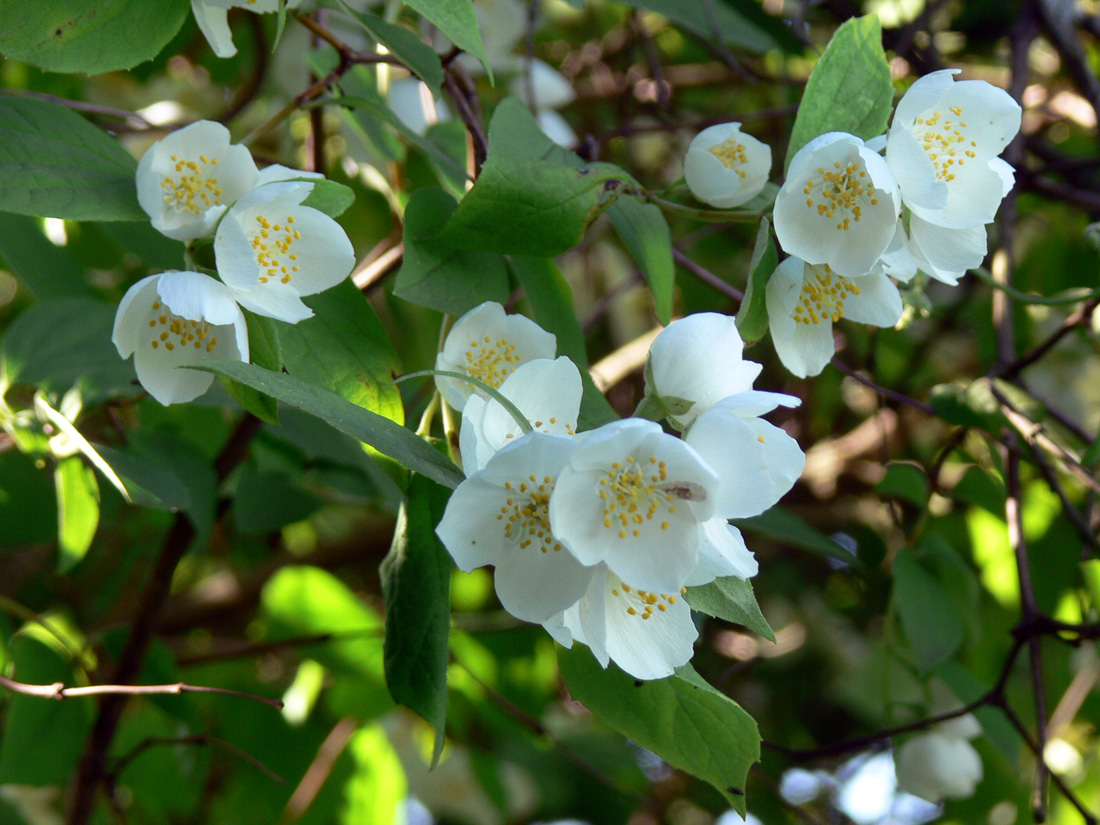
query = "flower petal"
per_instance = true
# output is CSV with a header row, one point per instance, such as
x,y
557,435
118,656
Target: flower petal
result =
x,y
723,553
878,302
647,645
214,25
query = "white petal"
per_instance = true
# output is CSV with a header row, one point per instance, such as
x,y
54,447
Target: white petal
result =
x,y
921,96
933,767
469,529
132,312
214,26
647,648
1006,173
277,301
756,462
946,254
194,295
276,173
808,350
551,89
781,296
726,168
556,127
698,358
897,261
534,585
973,198
878,301
915,173
723,553
758,402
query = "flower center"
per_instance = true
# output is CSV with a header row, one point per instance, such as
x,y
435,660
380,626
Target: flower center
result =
x,y
172,331
491,362
192,191
945,141
732,154
548,426
271,244
842,189
642,602
526,515
633,493
823,296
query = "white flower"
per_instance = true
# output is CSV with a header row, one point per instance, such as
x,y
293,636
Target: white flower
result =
x,y
187,180
548,86
211,15
547,392
698,359
636,498
838,206
756,462
804,300
722,553
178,319
646,634
555,127
725,167
488,345
934,766
943,146
411,101
499,516
271,250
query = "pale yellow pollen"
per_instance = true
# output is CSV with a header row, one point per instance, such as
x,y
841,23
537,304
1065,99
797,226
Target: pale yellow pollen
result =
x,y
822,297
173,331
492,361
642,603
732,154
267,250
635,491
528,517
191,189
845,192
940,139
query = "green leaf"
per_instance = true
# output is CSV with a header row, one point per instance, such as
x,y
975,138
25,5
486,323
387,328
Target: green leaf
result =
x,y
644,231
782,525
738,24
344,348
266,502
752,317
529,207
906,482
420,58
383,434
416,582
329,197
77,510
55,344
28,511
969,688
45,270
928,615
849,89
457,20
42,740
56,164
515,134
682,719
139,238
302,601
88,36
376,792
435,274
981,489
263,351
147,481
731,599
552,305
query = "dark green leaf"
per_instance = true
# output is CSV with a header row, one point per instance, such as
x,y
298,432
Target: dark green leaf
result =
x,y
849,89
88,36
28,512
77,510
784,526
456,19
752,318
644,231
682,719
731,599
906,482
515,134
263,351
416,581
383,434
437,275
344,348
146,479
42,740
420,58
56,164
982,489
139,237
46,271
725,22
266,502
929,617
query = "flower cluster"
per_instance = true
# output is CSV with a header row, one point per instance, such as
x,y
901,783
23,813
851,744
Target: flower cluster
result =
x,y
270,250
597,535
854,215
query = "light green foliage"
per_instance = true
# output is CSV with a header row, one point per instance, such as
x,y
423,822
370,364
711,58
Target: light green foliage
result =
x,y
906,482
45,270
421,58
329,197
850,88
87,36
457,20
56,164
931,622
644,231
731,599
752,318
736,22
77,510
682,719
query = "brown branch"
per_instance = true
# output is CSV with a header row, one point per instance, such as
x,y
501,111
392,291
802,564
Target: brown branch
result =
x,y
464,105
706,276
58,692
885,392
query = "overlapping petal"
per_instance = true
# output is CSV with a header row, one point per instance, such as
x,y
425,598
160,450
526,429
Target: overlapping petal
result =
x,y
725,167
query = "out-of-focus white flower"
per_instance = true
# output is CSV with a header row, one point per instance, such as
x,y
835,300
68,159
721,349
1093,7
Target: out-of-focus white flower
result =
x,y
636,498
546,88
555,127
499,516
488,345
178,319
803,301
646,634
839,205
548,393
188,179
271,250
756,462
725,167
411,100
698,359
943,146
212,17
934,767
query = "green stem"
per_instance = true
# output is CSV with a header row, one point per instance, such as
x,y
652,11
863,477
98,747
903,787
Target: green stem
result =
x,y
1027,298
705,215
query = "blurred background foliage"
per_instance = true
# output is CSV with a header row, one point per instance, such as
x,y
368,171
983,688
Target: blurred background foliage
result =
x,y
889,564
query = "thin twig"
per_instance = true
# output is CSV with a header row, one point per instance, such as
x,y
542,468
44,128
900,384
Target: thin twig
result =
x,y
197,739
57,691
706,276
